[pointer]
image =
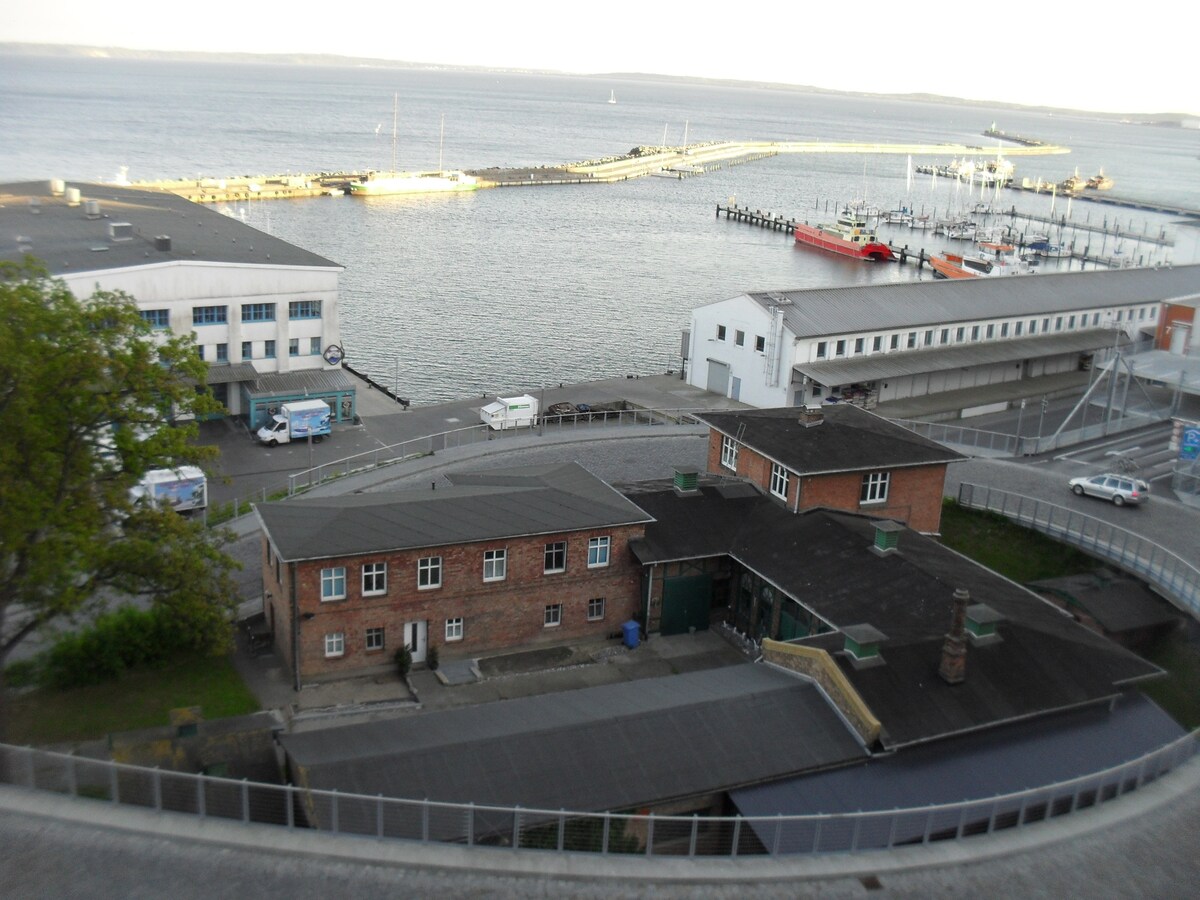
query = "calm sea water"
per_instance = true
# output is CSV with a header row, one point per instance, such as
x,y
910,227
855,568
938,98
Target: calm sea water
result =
x,y
507,290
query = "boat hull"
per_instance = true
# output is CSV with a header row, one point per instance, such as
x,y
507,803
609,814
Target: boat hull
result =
x,y
823,240
947,268
415,183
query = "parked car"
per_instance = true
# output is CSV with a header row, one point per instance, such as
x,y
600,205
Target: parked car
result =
x,y
1120,489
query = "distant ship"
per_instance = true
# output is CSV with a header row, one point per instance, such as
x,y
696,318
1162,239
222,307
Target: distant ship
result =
x,y
1100,182
849,237
385,183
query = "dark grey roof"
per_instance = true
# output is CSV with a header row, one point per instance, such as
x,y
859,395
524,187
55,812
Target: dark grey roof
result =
x,y
312,381
823,560
877,366
840,310
849,439
476,507
1002,761
1116,602
69,242
602,748
230,373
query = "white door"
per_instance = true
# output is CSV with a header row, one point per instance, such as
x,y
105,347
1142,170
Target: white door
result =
x,y
415,639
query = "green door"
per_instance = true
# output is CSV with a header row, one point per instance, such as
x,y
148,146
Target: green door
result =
x,y
685,604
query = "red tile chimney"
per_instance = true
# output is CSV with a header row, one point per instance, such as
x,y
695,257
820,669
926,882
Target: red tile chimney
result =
x,y
954,651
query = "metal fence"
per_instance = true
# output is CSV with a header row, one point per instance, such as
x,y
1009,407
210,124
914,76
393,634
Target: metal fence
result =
x,y
1177,578
288,806
981,443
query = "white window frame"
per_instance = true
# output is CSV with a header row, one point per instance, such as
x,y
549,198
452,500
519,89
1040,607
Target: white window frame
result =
x,y
556,548
495,564
429,570
374,572
875,487
374,633
552,616
454,629
779,481
329,579
599,551
729,452
335,644
595,609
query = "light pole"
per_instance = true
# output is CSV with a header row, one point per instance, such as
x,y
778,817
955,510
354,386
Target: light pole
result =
x,y
1020,418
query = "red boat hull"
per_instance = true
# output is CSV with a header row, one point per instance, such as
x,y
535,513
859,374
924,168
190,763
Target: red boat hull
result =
x,y
815,237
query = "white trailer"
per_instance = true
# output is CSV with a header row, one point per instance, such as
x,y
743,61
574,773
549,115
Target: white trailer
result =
x,y
179,489
510,412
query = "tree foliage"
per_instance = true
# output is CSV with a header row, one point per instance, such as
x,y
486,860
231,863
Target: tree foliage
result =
x,y
88,395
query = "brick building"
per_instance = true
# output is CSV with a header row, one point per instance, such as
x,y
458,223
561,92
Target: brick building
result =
x,y
497,560
835,457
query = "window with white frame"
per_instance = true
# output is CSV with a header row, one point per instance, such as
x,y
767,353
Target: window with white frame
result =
x,y
598,548
739,338
374,578
720,332
495,565
429,572
374,639
555,557
760,343
874,487
335,644
595,610
779,481
552,615
333,583
729,452
454,629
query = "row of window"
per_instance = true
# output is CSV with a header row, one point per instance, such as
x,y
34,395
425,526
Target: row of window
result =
x,y
739,338
429,569
220,352
251,312
375,638
874,484
931,337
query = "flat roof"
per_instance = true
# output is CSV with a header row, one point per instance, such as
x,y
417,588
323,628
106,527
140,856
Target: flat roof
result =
x,y
68,241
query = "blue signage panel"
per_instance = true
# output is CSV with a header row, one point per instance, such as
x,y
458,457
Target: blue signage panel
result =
x,y
1189,447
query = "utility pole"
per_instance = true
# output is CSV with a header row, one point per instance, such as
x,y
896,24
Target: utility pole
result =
x,y
1020,418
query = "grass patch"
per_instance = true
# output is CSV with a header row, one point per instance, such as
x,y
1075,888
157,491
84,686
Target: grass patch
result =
x,y
138,699
1177,692
1019,553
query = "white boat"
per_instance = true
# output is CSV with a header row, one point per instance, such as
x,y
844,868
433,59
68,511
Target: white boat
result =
x,y
612,97
920,222
993,260
897,217
961,231
382,184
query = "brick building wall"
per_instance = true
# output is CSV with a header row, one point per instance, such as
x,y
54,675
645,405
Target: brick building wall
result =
x,y
496,615
914,494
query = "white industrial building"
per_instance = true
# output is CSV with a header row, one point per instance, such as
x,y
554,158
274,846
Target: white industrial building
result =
x,y
264,312
889,342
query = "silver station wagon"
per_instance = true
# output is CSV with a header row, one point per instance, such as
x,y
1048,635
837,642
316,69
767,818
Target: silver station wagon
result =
x,y
1120,489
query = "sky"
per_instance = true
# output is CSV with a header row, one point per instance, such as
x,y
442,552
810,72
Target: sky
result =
x,y
1131,58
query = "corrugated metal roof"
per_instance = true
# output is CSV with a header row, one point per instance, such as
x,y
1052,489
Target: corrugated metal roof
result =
x,y
243,371
69,242
940,359
844,310
312,381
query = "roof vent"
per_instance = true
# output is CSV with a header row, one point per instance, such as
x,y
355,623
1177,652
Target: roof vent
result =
x,y
981,624
162,242
57,186
120,231
73,196
887,537
91,209
687,480
811,415
862,645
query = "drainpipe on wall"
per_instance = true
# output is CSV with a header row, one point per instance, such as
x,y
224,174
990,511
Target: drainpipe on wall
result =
x,y
649,595
295,628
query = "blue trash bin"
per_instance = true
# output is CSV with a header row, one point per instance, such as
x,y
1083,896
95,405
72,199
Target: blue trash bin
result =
x,y
631,630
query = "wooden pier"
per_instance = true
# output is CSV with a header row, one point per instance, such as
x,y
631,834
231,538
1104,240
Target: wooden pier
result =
x,y
1107,199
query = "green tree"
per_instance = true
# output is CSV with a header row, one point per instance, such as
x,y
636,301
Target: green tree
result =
x,y
88,394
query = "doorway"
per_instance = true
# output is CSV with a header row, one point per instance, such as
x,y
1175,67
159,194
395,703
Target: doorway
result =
x,y
416,639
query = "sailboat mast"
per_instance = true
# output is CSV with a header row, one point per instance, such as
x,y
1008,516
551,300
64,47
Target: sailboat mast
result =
x,y
441,138
395,101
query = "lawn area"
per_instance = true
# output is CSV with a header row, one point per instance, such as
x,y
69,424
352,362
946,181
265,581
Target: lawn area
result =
x,y
1016,552
139,699
1177,693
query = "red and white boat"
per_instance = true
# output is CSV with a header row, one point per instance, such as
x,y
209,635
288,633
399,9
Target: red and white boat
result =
x,y
849,237
992,260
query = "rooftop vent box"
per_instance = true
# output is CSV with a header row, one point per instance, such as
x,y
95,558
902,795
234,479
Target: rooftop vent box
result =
x,y
162,242
73,196
91,209
120,231
981,624
687,480
887,537
862,645
57,187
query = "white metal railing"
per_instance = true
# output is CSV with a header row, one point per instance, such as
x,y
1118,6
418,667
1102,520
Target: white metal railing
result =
x,y
211,797
992,443
1177,578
